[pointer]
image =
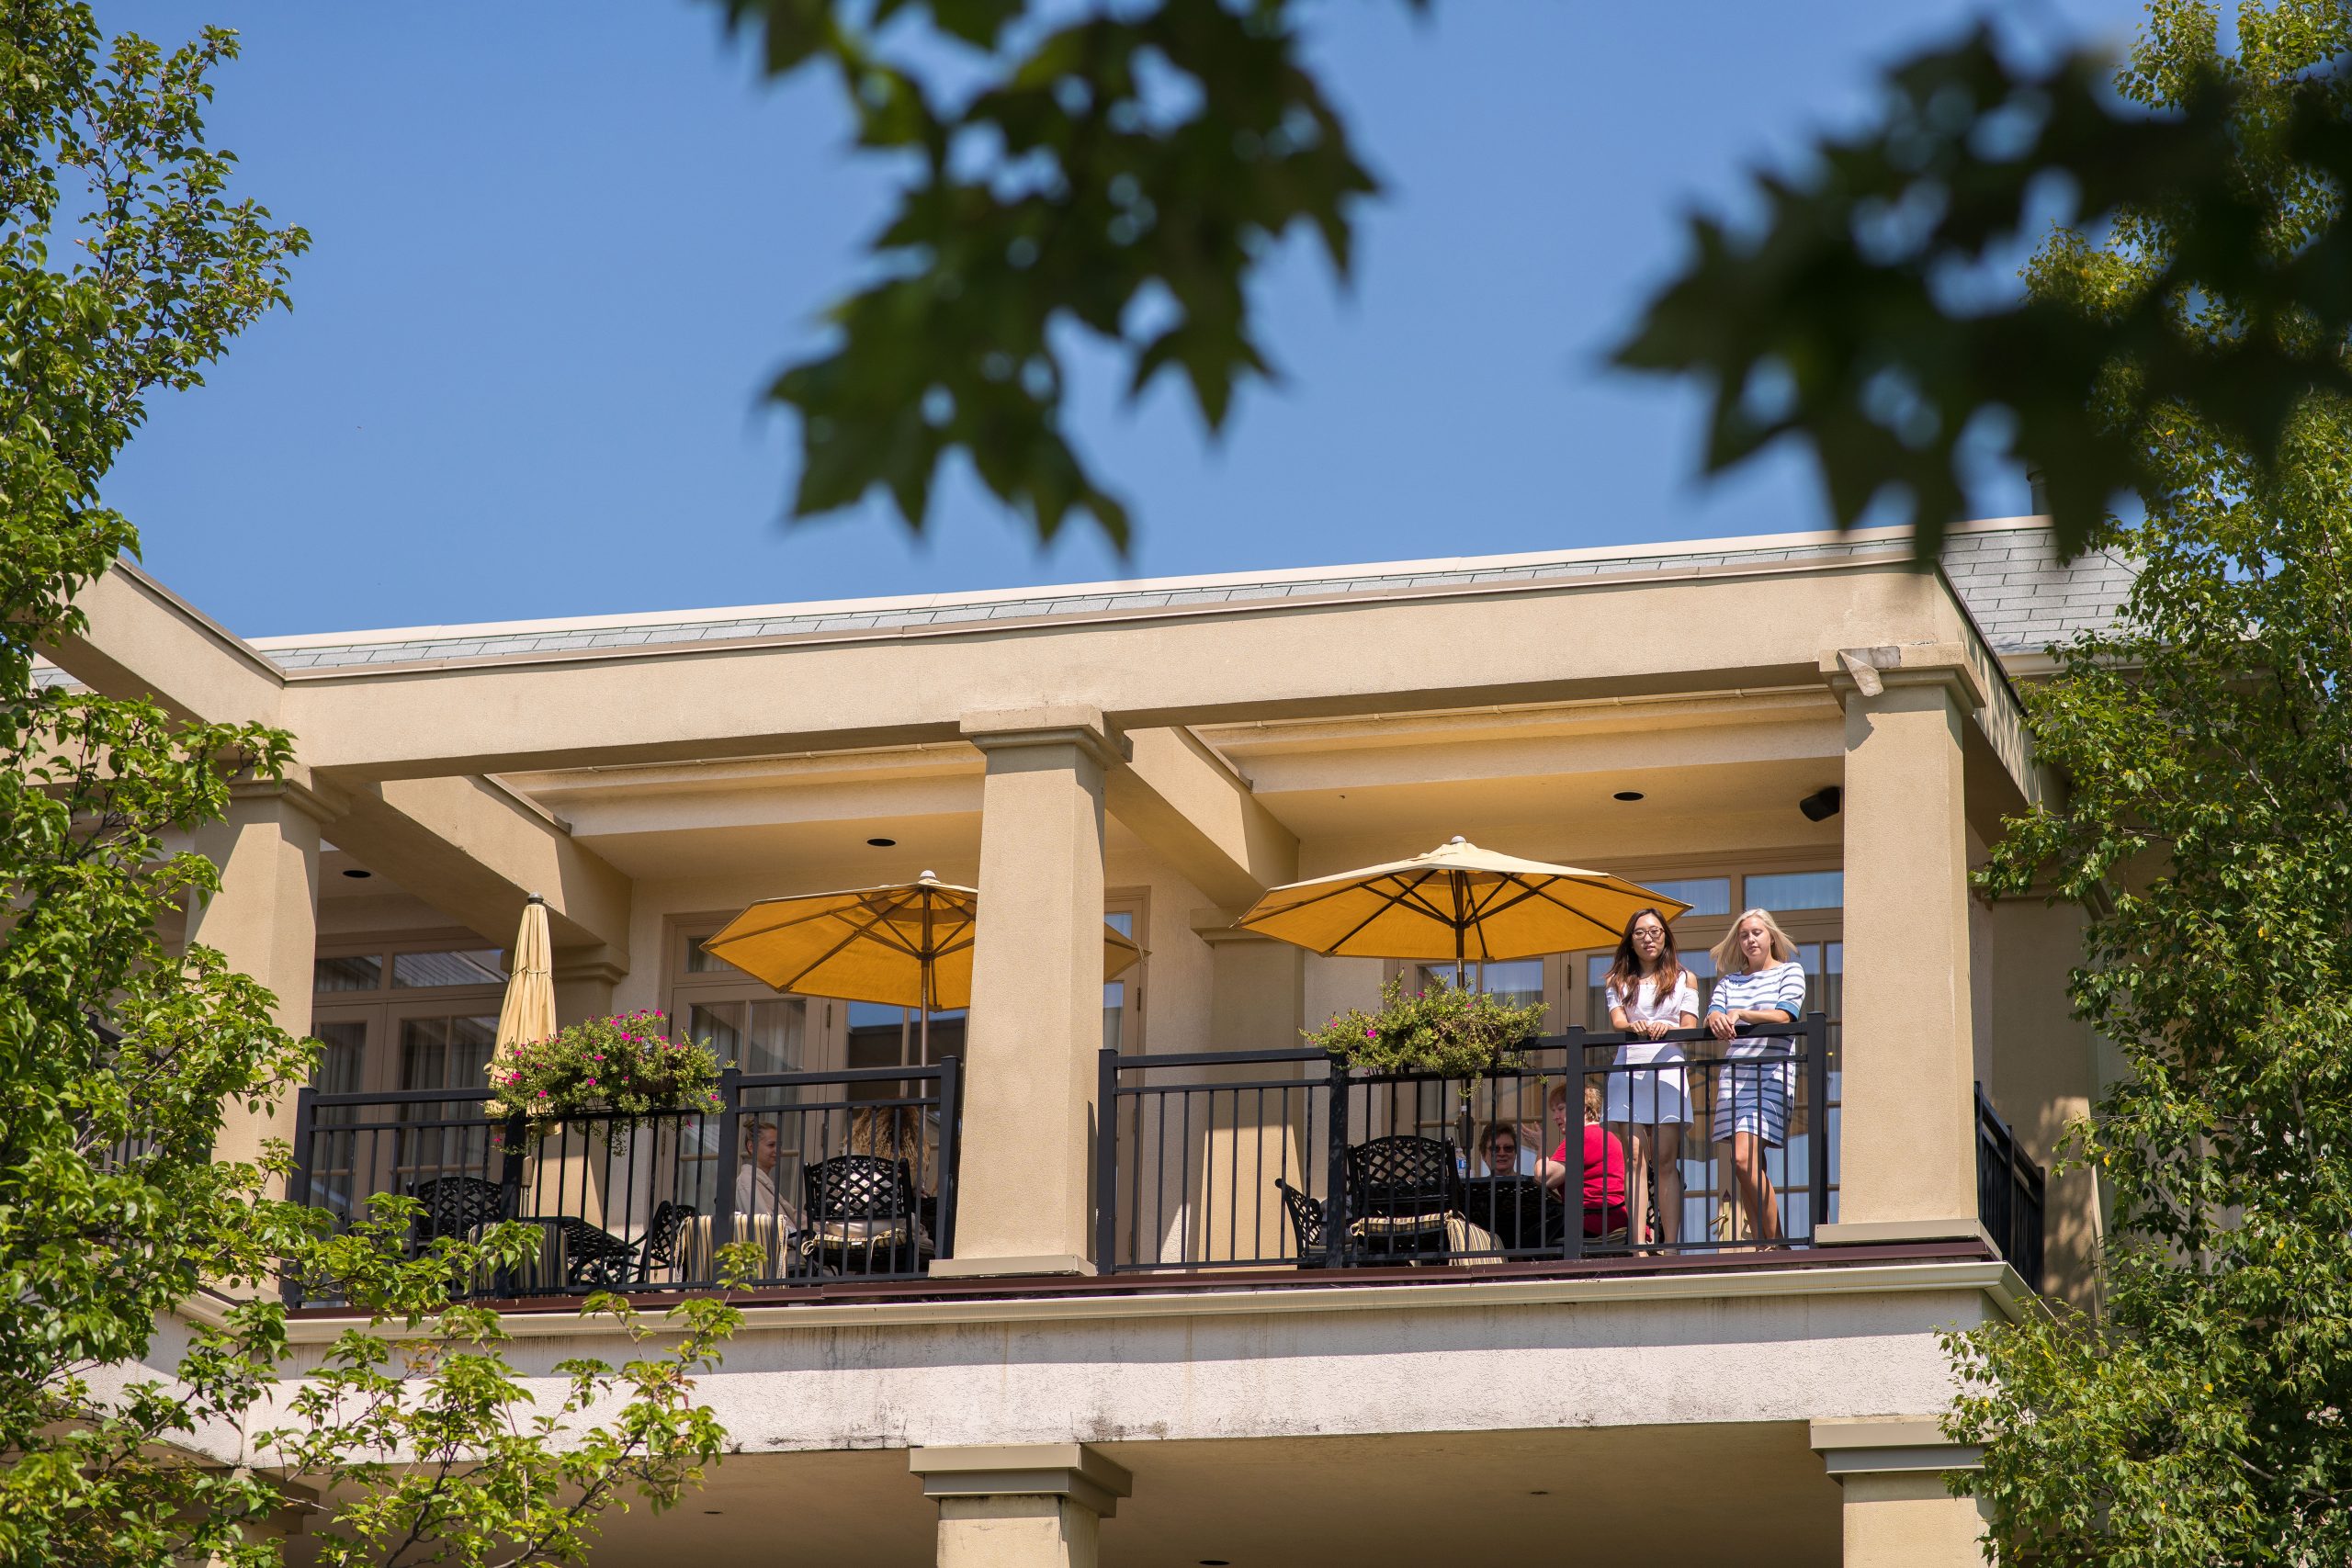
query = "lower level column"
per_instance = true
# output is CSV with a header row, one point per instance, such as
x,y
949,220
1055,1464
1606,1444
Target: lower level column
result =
x,y
1020,1504
1898,1521
1897,1511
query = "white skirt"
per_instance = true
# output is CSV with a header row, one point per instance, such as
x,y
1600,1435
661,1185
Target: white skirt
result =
x,y
1647,1098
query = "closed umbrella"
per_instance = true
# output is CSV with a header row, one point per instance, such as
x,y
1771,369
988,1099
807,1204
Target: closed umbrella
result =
x,y
908,945
528,1011
526,1014
1458,901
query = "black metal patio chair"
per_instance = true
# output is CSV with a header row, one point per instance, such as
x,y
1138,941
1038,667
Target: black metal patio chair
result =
x,y
1402,1189
663,1236
459,1207
1306,1224
594,1257
863,1217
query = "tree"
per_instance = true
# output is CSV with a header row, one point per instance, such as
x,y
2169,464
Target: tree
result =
x,y
1123,175
126,268
1120,175
2201,1418
1867,321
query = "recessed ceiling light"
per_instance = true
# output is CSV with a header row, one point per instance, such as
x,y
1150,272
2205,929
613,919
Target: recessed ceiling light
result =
x,y
1216,1562
1538,1493
354,871
1627,795
714,1511
883,843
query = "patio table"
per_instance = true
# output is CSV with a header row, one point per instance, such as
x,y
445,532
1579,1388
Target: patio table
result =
x,y
1519,1211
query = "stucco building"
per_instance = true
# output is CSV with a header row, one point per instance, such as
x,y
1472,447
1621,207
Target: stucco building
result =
x,y
1116,1337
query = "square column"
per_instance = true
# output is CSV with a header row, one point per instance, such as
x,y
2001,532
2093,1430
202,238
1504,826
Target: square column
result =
x,y
1024,1196
1898,1512
265,922
1908,1127
1257,1002
1021,1504
584,978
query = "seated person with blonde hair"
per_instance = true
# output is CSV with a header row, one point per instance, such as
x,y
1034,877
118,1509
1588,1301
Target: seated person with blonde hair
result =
x,y
1604,1163
755,1189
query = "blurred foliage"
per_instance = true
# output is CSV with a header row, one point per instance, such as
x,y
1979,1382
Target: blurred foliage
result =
x,y
2200,1417
1853,319
1120,175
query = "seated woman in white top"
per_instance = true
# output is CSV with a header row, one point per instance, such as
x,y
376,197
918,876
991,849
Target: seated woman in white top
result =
x,y
1650,994
755,1189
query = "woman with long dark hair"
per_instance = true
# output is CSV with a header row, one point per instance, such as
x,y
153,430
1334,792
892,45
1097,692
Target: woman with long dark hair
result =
x,y
1649,994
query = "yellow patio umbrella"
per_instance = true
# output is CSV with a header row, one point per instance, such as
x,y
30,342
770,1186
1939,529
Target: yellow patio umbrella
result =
x,y
1458,901
528,1011
908,945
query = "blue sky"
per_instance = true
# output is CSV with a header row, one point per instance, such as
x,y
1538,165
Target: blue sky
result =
x,y
559,248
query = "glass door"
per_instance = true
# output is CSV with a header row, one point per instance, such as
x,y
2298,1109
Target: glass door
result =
x,y
440,1049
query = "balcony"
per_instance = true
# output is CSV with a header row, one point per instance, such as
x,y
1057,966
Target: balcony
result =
x,y
1267,1168
1286,1159
840,1175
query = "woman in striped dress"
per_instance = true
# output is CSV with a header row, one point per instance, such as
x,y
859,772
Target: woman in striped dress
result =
x,y
1757,981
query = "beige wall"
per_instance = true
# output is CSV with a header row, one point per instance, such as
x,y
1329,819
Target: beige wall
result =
x,y
1499,645
2043,1074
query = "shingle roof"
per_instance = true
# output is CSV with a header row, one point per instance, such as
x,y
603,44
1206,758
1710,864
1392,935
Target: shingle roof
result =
x,y
2004,571
2022,599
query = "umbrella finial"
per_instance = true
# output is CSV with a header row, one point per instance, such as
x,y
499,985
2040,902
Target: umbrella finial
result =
x,y
928,876
1457,839
536,898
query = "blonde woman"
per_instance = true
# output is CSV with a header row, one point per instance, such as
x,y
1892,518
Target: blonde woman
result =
x,y
1757,981
896,1133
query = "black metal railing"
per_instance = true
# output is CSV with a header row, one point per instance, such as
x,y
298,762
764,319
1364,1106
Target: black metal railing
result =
x,y
2010,1190
1271,1159
828,1175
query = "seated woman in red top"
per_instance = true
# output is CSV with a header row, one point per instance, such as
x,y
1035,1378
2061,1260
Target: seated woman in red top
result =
x,y
1604,1163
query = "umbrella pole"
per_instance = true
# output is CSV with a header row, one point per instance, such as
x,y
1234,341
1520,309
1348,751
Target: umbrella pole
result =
x,y
1460,923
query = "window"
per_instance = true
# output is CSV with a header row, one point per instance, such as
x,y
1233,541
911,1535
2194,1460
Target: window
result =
x,y
360,972
1797,890
341,1070
1705,895
471,966
382,1011
758,1034
1116,1028
412,1014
